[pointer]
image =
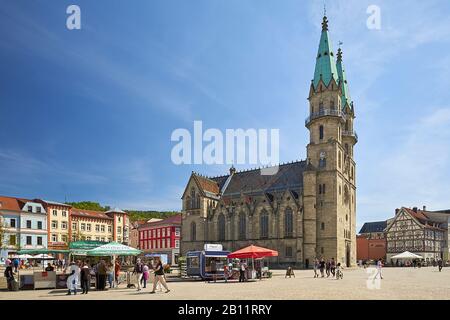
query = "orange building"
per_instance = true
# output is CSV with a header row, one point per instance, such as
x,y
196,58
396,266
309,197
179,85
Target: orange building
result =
x,y
371,242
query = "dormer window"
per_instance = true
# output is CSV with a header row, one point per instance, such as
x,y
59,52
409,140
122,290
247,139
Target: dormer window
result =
x,y
38,209
30,209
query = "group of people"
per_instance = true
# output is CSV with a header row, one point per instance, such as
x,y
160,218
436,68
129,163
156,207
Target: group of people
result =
x,y
81,271
142,273
329,267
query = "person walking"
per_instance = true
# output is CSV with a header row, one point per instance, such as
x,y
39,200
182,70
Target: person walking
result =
x,y
102,272
110,271
379,267
322,267
85,277
328,268
72,279
241,272
16,264
117,272
145,275
333,267
159,276
226,273
9,275
138,271
440,264
316,267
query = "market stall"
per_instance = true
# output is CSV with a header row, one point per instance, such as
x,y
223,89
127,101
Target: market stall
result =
x,y
254,253
39,279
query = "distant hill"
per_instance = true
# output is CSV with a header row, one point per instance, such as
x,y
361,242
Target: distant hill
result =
x,y
134,214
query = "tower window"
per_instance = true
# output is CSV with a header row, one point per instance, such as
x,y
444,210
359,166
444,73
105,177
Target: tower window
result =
x,y
320,189
339,159
332,104
323,188
321,107
322,226
321,132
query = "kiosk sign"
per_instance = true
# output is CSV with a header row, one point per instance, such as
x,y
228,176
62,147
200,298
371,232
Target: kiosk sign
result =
x,y
213,247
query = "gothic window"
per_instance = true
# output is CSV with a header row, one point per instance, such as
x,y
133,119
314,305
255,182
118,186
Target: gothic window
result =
x,y
322,160
322,226
323,188
288,252
288,223
221,227
264,225
321,132
347,125
320,189
242,226
332,105
339,159
192,198
197,202
321,108
188,202
193,231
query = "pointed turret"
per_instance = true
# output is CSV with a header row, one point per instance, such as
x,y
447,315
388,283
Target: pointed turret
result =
x,y
325,63
345,98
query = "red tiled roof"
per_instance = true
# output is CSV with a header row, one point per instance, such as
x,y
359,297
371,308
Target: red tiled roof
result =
x,y
9,203
90,214
172,220
208,184
422,217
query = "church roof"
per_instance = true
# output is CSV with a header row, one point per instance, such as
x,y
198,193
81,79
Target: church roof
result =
x,y
325,63
289,176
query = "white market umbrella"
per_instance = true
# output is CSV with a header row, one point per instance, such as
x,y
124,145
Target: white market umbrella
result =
x,y
25,256
43,256
407,255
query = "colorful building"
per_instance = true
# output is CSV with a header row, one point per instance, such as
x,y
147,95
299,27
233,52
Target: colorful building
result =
x,y
162,237
58,221
98,225
371,241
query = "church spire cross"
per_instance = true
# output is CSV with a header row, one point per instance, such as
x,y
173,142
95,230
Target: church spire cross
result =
x,y
325,24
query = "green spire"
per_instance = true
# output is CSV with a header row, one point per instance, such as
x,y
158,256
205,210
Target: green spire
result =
x,y
345,98
325,63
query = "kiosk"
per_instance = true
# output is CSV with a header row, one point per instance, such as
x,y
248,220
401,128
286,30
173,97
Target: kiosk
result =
x,y
198,263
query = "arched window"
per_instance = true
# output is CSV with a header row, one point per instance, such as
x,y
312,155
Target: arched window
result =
x,y
288,223
221,227
264,225
192,198
242,226
193,231
321,108
321,132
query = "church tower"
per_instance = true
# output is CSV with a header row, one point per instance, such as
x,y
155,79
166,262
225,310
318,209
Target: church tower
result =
x,y
329,183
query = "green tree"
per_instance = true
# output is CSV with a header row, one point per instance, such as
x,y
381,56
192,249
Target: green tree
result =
x,y
87,205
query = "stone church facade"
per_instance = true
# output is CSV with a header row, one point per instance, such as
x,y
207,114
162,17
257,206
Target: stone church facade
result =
x,y
308,208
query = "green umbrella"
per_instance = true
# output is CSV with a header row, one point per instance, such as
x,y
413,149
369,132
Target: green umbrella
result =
x,y
113,249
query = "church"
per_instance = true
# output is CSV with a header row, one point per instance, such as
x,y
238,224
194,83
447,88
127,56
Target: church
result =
x,y
307,209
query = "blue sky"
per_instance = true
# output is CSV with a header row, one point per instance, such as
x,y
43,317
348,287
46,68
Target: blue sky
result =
x,y
87,114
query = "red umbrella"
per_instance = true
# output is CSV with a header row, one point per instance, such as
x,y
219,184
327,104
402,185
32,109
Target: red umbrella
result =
x,y
253,252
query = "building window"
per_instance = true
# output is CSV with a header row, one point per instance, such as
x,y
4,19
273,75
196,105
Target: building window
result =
x,y
29,241
74,226
103,239
288,252
119,229
64,214
322,226
54,224
89,238
54,238
12,239
321,132
55,213
163,232
64,225
64,238
168,232
158,233
264,224
102,228
97,238
97,228
118,219
109,229
74,238
30,209
39,225
221,227
193,231
83,227
12,223
177,244
320,189
177,232
339,159
28,224
288,223
38,209
242,226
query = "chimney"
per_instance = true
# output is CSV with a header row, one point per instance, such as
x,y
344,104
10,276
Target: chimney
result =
x,y
415,209
397,210
424,208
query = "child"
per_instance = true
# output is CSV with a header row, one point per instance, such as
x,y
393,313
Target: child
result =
x,y
339,271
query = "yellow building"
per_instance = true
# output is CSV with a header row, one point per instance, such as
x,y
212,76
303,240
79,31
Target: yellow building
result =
x,y
58,223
